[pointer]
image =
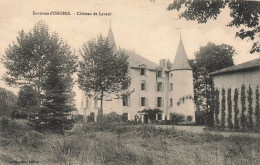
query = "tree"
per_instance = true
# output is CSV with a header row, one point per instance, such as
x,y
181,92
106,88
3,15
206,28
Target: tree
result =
x,y
208,59
223,108
217,107
26,60
27,100
58,96
245,15
236,110
250,108
257,109
102,71
243,107
8,101
229,103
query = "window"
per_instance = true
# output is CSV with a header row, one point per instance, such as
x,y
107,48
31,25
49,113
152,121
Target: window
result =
x,y
159,86
87,103
95,103
171,74
171,102
159,116
125,100
143,101
143,85
142,71
171,86
159,73
159,101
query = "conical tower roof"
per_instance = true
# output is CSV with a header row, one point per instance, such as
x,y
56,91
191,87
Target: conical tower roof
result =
x,y
111,40
181,60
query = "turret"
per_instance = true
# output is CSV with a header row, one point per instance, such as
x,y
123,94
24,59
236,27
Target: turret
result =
x,y
181,91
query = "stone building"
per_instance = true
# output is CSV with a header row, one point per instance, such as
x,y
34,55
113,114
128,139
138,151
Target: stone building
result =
x,y
234,77
152,86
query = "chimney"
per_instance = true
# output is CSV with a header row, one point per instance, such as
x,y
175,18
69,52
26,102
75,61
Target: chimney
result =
x,y
163,63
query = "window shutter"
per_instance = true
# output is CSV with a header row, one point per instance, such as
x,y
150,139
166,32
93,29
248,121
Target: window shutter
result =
x,y
155,102
162,102
129,101
147,71
162,87
147,102
146,86
163,73
140,99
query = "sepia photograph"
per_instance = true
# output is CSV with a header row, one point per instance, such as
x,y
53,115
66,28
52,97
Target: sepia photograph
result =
x,y
130,82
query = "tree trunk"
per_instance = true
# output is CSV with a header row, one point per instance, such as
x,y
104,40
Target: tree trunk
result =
x,y
101,106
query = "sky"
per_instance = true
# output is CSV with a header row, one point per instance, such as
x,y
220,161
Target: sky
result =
x,y
139,25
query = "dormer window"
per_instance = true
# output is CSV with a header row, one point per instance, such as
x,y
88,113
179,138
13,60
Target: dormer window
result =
x,y
159,73
143,71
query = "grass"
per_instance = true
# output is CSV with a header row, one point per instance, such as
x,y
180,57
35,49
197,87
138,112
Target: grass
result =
x,y
119,143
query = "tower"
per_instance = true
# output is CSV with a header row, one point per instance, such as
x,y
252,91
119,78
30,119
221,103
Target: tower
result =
x,y
181,84
111,39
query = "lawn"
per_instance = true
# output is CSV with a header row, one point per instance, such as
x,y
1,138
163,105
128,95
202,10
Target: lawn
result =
x,y
123,144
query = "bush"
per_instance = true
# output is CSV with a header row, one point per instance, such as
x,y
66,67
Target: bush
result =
x,y
229,102
189,118
243,117
200,117
236,110
223,108
217,107
257,109
250,108
177,118
151,113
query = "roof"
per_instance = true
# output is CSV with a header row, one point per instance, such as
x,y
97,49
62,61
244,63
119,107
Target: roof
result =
x,y
135,60
250,65
181,60
111,39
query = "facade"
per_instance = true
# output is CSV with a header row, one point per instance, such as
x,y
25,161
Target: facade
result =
x,y
152,86
234,77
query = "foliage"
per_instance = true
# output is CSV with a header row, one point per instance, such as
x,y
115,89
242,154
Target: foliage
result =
x,y
8,102
236,110
200,117
137,119
102,72
91,117
151,113
243,107
178,118
55,115
113,116
229,104
27,59
257,109
27,100
209,59
189,118
245,15
217,107
210,112
223,108
250,108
